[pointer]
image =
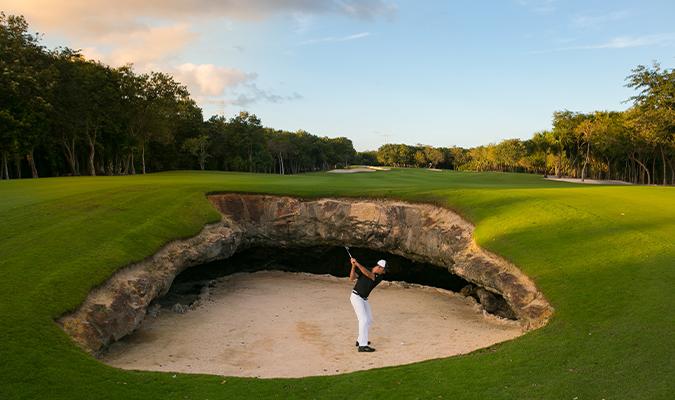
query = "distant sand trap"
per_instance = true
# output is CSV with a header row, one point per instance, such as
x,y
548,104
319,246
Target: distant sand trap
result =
x,y
280,324
356,170
350,170
589,181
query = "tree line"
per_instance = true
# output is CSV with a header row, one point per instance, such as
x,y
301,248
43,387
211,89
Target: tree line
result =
x,y
62,114
636,145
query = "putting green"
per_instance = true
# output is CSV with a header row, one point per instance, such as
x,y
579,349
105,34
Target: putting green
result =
x,y
603,256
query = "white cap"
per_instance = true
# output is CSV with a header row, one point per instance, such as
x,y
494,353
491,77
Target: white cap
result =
x,y
382,263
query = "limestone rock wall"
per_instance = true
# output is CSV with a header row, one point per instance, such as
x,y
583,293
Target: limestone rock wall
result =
x,y
417,231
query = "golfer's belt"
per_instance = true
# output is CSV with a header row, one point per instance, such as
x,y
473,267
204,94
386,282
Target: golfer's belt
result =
x,y
357,293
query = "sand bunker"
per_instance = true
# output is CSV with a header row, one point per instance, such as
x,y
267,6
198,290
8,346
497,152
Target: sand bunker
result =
x,y
280,324
350,170
589,181
356,170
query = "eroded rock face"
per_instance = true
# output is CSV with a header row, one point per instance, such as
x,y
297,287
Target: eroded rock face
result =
x,y
419,232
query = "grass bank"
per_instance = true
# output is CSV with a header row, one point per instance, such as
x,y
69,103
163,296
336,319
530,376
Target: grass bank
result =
x,y
603,255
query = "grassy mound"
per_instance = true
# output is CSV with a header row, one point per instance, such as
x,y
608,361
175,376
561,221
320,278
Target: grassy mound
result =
x,y
603,256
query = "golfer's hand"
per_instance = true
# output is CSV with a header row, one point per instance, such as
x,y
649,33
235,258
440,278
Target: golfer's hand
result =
x,y
353,261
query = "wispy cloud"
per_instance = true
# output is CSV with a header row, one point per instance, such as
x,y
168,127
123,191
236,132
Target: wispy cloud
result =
x,y
147,45
332,39
210,80
120,30
538,6
153,34
253,94
212,84
93,17
591,21
302,22
620,42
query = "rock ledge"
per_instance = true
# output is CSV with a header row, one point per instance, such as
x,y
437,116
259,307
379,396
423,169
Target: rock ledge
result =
x,y
420,232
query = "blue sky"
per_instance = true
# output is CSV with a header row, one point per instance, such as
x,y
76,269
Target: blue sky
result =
x,y
434,72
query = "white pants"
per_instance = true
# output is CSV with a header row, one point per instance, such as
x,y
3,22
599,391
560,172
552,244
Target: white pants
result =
x,y
364,315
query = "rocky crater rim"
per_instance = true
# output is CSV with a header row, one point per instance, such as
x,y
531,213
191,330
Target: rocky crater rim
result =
x,y
423,233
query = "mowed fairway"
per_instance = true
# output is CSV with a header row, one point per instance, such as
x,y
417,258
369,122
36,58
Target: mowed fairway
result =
x,y
603,255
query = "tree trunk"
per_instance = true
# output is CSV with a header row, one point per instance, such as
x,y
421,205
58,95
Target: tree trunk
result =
x,y
131,164
69,149
645,169
5,170
143,158
281,164
126,169
588,154
663,160
558,167
31,163
91,141
633,171
250,158
17,166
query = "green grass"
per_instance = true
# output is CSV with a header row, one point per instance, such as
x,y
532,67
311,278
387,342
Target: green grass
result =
x,y
603,255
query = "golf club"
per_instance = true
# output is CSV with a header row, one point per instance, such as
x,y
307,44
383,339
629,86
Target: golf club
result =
x,y
350,254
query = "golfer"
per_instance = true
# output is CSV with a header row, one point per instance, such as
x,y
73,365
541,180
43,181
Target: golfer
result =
x,y
366,280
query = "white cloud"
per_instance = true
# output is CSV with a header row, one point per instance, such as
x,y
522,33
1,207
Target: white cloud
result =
x,y
303,22
142,46
119,30
212,84
206,80
151,34
620,42
590,21
330,39
538,6
96,17
254,94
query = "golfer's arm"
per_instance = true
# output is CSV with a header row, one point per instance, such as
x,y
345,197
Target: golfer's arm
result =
x,y
352,274
365,271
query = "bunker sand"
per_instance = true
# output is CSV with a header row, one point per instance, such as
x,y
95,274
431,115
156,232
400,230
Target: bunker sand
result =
x,y
278,324
589,181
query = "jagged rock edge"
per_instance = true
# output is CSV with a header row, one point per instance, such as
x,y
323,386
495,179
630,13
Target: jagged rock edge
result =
x,y
117,307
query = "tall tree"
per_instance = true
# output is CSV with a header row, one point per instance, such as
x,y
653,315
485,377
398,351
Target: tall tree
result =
x,y
655,102
434,155
198,147
26,81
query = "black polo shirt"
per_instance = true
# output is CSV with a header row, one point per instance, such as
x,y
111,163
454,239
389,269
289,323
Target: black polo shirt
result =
x,y
365,285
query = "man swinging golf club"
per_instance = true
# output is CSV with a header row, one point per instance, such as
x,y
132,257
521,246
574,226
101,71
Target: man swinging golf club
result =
x,y
366,280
